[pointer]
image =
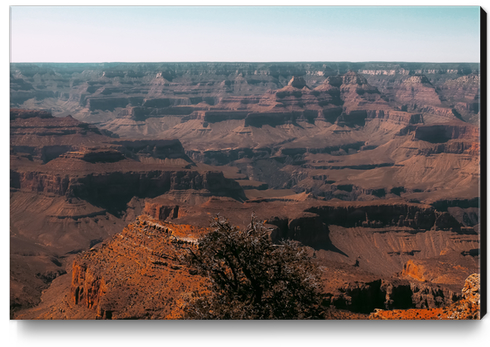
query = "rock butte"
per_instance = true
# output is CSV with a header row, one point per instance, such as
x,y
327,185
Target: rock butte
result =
x,y
373,167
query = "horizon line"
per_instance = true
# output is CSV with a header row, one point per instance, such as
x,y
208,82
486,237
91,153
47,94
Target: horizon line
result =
x,y
243,62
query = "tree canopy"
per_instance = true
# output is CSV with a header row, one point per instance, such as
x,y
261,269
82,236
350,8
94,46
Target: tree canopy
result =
x,y
250,277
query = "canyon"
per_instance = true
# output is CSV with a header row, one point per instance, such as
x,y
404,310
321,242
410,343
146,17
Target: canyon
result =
x,y
373,167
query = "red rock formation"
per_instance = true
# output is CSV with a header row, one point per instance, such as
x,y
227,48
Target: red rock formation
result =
x,y
137,274
95,155
46,137
161,209
449,269
417,90
366,297
466,308
352,214
456,137
394,116
77,180
474,149
412,270
465,88
357,93
444,132
87,287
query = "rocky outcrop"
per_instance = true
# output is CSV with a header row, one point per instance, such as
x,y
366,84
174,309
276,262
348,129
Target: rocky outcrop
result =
x,y
159,149
353,78
440,270
224,157
455,147
161,209
95,155
137,274
464,88
223,115
436,114
391,294
68,144
360,100
445,205
308,228
394,116
416,216
466,308
374,246
40,134
40,123
106,103
439,133
417,90
270,118
355,87
113,189
469,308
88,288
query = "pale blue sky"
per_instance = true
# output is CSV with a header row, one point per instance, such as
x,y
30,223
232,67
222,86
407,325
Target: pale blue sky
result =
x,y
221,33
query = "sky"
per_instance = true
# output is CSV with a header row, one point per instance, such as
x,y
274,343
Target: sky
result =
x,y
244,33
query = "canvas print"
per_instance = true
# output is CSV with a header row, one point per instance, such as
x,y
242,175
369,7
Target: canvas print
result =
x,y
239,163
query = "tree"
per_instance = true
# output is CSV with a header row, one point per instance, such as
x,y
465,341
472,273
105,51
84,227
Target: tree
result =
x,y
252,278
